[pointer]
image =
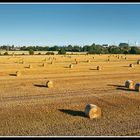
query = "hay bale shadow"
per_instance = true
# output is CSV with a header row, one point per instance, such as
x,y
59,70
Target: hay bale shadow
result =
x,y
12,74
27,67
66,67
116,85
73,112
125,66
39,85
121,87
92,69
125,89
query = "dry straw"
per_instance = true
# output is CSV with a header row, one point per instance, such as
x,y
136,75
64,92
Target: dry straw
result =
x,y
137,87
92,111
129,84
49,84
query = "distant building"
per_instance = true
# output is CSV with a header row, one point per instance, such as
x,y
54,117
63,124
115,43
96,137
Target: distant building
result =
x,y
105,45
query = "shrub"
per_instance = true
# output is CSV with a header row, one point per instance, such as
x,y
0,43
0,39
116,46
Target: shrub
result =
x,y
50,53
31,52
6,53
62,51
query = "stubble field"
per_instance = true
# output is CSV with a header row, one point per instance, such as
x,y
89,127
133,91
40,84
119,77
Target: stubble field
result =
x,y
29,108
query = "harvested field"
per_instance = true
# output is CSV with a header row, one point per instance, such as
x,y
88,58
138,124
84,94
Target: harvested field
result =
x,y
28,108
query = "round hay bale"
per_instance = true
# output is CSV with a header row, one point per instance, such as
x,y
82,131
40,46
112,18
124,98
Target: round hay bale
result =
x,y
70,66
108,59
138,62
76,62
98,68
129,84
92,111
88,61
131,65
49,84
125,58
43,64
18,73
30,66
137,87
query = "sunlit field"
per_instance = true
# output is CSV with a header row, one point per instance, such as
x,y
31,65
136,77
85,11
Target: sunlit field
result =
x,y
29,108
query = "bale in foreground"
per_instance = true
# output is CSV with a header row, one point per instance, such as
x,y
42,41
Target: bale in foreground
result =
x,y
92,111
49,84
137,87
129,84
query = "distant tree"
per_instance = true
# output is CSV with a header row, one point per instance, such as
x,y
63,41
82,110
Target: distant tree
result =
x,y
114,50
134,50
95,49
31,52
12,47
54,48
62,51
76,48
124,45
85,48
69,48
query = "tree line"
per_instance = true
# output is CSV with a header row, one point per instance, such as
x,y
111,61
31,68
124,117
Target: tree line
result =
x,y
122,48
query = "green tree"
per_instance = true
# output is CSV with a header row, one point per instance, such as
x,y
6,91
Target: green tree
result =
x,y
6,53
125,45
31,52
134,50
62,51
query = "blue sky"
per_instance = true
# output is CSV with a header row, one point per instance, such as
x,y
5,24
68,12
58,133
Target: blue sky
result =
x,y
64,24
